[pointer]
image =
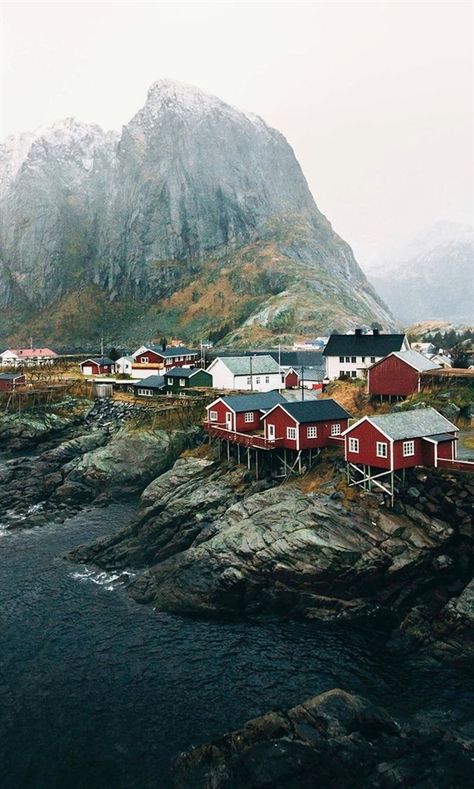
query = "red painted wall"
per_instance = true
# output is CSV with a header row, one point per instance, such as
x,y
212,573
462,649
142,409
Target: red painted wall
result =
x,y
446,450
281,420
221,409
248,427
291,380
420,457
368,435
392,376
152,357
168,361
6,385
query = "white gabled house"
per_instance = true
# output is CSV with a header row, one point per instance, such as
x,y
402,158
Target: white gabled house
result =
x,y
350,355
246,373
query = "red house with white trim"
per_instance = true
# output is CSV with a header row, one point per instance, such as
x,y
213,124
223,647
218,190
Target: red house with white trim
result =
x,y
398,374
100,365
242,413
392,442
291,379
166,358
310,424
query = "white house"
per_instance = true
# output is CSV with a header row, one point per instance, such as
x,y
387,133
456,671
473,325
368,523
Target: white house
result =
x,y
30,357
249,373
350,355
123,366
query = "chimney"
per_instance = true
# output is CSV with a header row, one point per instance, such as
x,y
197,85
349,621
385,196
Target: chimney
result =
x,y
358,332
375,332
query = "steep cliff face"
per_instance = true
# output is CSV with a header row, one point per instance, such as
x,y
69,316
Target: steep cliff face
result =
x,y
188,184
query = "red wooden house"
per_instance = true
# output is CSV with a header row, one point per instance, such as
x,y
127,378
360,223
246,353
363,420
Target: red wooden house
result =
x,y
306,425
163,357
240,414
291,379
377,447
9,381
398,374
100,365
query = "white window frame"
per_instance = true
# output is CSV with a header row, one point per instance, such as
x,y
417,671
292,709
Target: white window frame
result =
x,y
213,416
182,381
381,449
408,449
354,445
170,382
146,392
267,379
249,380
312,431
335,430
291,433
248,416
145,359
257,380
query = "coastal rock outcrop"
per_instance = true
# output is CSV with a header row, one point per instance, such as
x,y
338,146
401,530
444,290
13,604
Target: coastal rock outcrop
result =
x,y
335,740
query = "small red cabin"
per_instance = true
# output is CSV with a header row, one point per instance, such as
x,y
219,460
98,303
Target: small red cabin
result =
x,y
393,442
9,381
242,413
291,379
98,366
398,374
310,424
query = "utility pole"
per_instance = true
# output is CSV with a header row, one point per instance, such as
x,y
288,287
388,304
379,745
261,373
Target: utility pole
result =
x,y
302,383
102,346
279,366
251,373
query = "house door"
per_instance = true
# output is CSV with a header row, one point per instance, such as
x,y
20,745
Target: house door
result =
x,y
228,420
271,432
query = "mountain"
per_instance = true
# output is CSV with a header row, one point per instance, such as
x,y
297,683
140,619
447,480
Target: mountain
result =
x,y
196,219
431,277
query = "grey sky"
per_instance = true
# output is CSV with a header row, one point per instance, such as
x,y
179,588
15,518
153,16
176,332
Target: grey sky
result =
x,y
375,98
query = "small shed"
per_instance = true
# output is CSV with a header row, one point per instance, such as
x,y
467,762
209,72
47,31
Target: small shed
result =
x,y
9,381
98,365
398,375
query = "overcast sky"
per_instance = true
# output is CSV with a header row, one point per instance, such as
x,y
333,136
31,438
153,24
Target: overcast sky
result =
x,y
375,98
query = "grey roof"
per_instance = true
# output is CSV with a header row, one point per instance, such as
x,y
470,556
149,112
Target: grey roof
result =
x,y
262,401
416,360
316,410
176,351
440,437
152,382
363,344
99,360
184,372
308,373
260,365
413,424
10,376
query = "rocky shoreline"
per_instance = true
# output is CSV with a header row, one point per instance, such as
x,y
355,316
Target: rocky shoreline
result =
x,y
335,740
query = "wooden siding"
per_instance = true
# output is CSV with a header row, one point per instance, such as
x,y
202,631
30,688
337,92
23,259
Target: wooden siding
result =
x,y
393,376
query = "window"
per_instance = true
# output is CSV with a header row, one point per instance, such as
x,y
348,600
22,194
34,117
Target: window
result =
x,y
267,379
144,359
182,382
408,449
248,416
212,416
146,392
257,380
249,380
353,374
348,359
381,449
372,359
170,382
362,358
335,430
353,359
353,445
312,432
341,360
291,433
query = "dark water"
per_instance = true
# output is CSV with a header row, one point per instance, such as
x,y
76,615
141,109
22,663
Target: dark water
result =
x,y
96,691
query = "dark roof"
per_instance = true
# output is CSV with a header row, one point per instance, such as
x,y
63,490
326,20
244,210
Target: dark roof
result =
x,y
185,372
440,437
10,376
363,344
316,410
300,358
262,401
168,352
152,382
99,360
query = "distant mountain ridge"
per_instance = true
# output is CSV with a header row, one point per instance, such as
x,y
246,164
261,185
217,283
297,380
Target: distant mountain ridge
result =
x,y
433,278
197,218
